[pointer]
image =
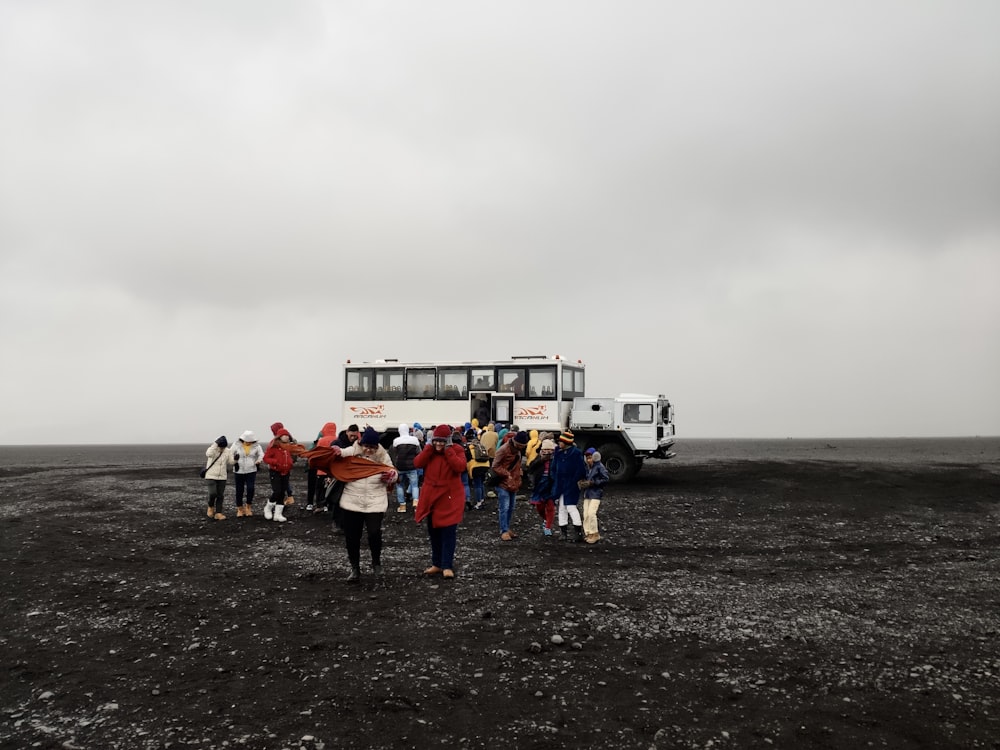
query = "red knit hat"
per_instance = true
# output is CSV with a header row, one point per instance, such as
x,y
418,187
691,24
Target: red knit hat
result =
x,y
275,427
442,432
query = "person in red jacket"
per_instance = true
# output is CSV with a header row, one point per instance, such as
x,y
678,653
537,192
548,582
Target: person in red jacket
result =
x,y
442,498
279,461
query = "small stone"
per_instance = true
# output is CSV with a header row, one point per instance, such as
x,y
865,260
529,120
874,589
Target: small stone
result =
x,y
557,640
46,696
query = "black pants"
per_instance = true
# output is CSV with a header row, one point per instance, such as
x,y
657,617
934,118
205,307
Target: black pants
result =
x,y
280,486
314,488
354,524
333,502
245,483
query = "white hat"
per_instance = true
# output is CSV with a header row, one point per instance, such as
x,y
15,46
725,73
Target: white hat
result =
x,y
248,437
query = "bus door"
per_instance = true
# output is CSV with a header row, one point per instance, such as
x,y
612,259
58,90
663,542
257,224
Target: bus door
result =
x,y
503,407
481,407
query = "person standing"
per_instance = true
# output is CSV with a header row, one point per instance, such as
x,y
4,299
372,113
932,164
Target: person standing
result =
x,y
489,440
443,498
507,466
406,447
345,439
217,462
593,490
279,461
542,483
289,498
247,456
569,468
364,503
479,464
314,483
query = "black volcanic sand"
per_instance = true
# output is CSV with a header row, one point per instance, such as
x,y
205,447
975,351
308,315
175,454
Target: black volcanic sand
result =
x,y
731,605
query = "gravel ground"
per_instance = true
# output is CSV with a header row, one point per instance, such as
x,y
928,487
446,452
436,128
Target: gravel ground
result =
x,y
731,604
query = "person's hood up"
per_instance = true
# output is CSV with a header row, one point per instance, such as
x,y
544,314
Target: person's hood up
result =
x,y
248,437
534,434
329,430
404,429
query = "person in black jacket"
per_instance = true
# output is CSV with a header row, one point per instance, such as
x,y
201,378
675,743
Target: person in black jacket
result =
x,y
405,448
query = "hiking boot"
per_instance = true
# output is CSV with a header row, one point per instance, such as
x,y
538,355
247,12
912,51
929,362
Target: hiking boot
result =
x,y
506,537
269,511
279,514
211,511
564,532
447,573
401,508
248,510
377,569
433,570
239,511
579,533
219,517
593,538
355,576
289,500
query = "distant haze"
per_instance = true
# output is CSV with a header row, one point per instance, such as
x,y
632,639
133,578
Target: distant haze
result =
x,y
785,216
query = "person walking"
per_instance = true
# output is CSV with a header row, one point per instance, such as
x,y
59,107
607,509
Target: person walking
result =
x,y
443,499
364,502
406,447
217,462
593,491
479,464
569,468
507,466
247,457
279,461
542,485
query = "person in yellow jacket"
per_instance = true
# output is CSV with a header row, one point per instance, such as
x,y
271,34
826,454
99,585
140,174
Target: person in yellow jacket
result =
x,y
534,444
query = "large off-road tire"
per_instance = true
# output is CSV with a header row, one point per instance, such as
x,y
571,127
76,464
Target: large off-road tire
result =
x,y
620,463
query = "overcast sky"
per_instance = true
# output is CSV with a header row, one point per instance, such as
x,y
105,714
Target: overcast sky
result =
x,y
783,215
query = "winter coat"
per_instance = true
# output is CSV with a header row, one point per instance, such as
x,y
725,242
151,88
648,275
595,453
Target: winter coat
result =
x,y
327,437
218,470
406,448
489,440
507,468
542,480
597,475
569,467
442,494
476,468
534,445
278,459
247,456
367,495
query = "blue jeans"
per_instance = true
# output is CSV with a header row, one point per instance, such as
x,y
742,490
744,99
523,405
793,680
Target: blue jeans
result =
x,y
505,508
412,482
465,482
443,541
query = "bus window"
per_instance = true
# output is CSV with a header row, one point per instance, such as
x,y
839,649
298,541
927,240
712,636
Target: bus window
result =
x,y
637,413
420,383
483,379
389,384
541,382
572,383
453,383
511,380
358,384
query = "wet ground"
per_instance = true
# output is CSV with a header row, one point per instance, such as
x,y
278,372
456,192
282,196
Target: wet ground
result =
x,y
795,604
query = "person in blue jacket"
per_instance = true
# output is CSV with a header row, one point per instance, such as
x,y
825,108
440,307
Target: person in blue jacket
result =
x,y
568,468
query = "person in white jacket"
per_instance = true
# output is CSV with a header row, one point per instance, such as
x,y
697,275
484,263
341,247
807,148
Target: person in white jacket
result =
x,y
217,463
247,455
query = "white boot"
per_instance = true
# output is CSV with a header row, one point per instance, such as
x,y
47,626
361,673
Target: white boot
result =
x,y
279,514
269,511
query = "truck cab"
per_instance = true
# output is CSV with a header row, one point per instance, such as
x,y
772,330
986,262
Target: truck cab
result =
x,y
626,429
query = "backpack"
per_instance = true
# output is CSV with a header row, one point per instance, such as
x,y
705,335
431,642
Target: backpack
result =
x,y
479,453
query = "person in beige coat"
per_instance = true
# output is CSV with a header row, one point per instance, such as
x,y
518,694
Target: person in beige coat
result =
x,y
364,503
217,463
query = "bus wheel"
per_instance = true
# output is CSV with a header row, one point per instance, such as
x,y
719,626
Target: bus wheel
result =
x,y
621,464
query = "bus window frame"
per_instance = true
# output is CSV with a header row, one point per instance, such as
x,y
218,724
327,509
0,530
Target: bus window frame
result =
x,y
410,390
388,394
518,372
359,393
462,391
483,372
536,372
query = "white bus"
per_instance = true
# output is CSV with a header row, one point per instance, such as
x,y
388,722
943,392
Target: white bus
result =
x,y
544,393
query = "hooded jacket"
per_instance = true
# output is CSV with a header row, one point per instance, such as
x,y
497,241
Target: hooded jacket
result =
x,y
406,447
442,495
569,467
247,456
218,469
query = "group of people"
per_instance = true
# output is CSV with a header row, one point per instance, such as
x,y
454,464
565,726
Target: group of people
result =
x,y
353,474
